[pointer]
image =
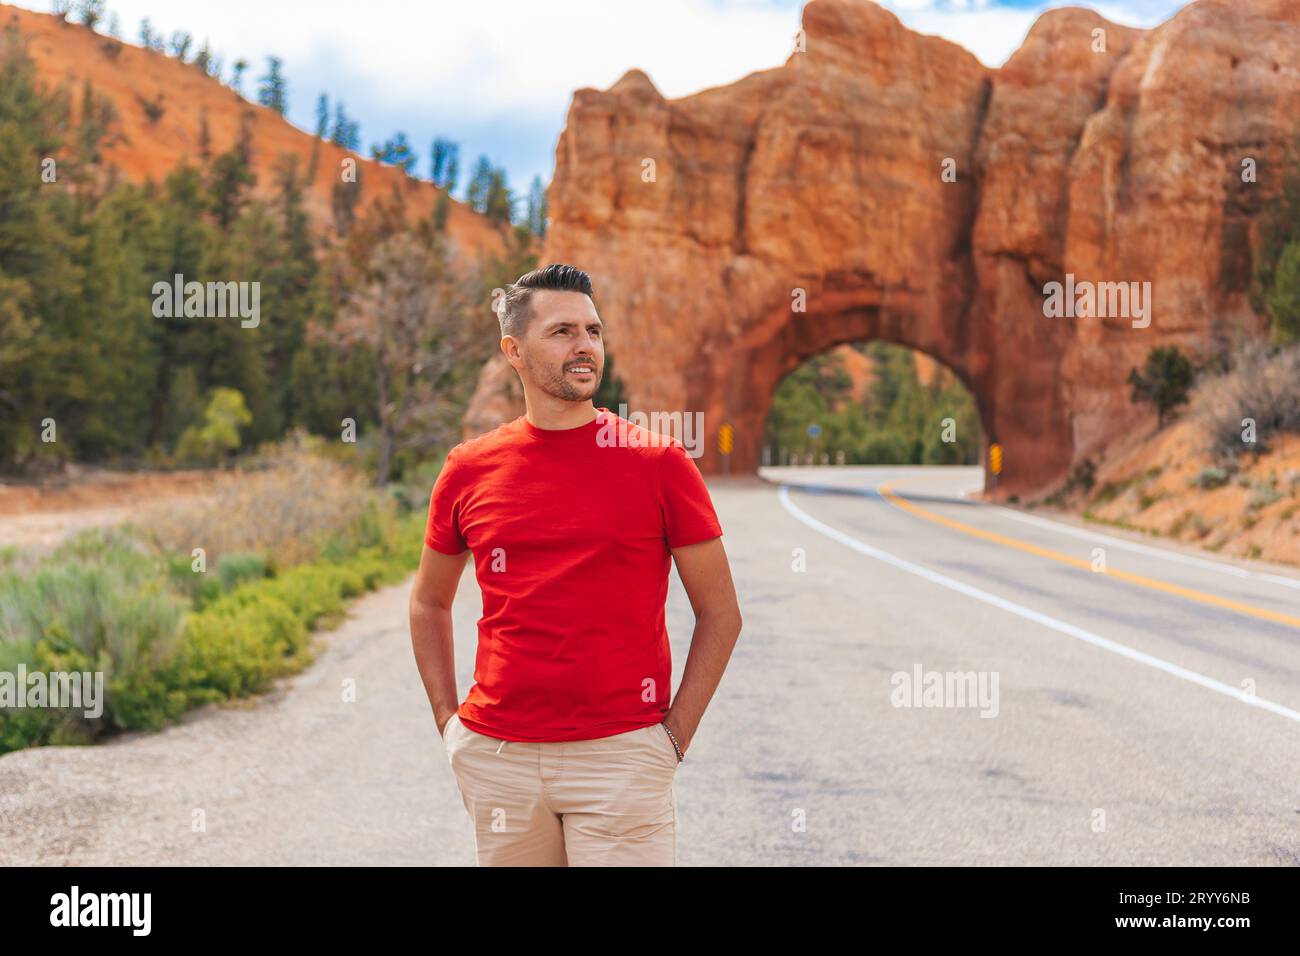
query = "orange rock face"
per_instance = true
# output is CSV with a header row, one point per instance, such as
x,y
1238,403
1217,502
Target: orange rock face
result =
x,y
67,54
884,184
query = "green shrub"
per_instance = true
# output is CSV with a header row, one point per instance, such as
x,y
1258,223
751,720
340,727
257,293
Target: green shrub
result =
x,y
1112,490
212,441
97,594
234,569
1264,494
101,604
236,649
20,727
1212,477
1165,380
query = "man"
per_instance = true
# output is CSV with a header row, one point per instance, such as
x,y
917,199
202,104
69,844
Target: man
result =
x,y
566,746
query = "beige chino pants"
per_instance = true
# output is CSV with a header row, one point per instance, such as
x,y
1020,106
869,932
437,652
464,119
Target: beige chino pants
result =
x,y
603,802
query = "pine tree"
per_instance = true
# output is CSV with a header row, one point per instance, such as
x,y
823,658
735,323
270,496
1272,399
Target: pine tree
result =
x,y
180,244
230,179
537,207
346,132
480,185
339,135
272,91
499,203
180,45
322,116
442,162
36,257
120,358
396,152
1165,381
90,12
453,169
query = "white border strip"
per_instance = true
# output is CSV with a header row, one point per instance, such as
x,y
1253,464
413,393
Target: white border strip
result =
x,y
1165,553
1038,618
1063,528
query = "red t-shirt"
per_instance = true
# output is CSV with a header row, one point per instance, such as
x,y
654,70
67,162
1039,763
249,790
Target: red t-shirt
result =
x,y
570,530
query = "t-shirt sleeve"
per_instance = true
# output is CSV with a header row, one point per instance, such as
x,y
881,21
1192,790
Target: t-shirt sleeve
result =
x,y
442,533
684,500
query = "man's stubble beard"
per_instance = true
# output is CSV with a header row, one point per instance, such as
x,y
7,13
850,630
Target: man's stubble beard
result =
x,y
556,384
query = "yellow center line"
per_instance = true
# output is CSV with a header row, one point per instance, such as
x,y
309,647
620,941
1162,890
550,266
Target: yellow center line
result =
x,y
1190,594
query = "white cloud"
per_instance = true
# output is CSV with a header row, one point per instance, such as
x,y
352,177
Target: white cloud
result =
x,y
488,54
994,31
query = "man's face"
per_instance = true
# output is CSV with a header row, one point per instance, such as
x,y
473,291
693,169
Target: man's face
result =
x,y
562,353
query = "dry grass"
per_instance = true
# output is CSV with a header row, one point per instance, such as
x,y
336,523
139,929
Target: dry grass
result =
x,y
1261,386
286,506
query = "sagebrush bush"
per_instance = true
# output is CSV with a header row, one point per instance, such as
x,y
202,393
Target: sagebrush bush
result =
x,y
99,594
234,569
111,611
1264,385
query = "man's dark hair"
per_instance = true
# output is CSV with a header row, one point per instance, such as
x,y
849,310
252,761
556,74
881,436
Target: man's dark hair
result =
x,y
515,312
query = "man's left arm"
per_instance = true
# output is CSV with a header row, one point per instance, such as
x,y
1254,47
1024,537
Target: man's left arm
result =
x,y
706,576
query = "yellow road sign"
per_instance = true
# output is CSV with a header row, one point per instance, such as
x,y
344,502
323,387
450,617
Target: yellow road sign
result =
x,y
725,436
995,458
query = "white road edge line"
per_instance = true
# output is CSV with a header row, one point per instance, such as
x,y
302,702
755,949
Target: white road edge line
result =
x,y
1049,622
1168,555
1063,528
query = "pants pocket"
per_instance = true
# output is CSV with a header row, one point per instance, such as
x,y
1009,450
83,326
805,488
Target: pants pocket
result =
x,y
452,722
665,744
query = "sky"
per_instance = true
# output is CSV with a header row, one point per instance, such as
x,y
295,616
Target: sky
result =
x,y
497,75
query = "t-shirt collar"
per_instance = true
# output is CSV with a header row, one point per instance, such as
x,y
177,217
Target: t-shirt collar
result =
x,y
587,431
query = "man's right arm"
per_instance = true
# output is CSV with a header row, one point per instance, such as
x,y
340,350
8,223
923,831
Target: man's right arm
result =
x,y
431,636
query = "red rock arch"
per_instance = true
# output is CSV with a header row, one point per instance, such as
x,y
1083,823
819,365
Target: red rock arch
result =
x,y
826,175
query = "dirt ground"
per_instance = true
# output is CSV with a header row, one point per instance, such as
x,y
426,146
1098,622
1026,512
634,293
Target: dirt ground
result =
x,y
41,515
1155,482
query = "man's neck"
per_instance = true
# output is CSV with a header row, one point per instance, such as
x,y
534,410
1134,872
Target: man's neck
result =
x,y
556,413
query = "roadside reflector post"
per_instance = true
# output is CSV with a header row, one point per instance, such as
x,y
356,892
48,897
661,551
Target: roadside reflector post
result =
x,y
995,462
726,439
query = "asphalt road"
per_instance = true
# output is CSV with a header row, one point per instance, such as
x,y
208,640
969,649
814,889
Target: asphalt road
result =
x,y
1148,713
1117,737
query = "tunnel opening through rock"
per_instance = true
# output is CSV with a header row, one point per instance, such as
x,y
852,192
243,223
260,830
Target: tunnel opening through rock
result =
x,y
872,402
